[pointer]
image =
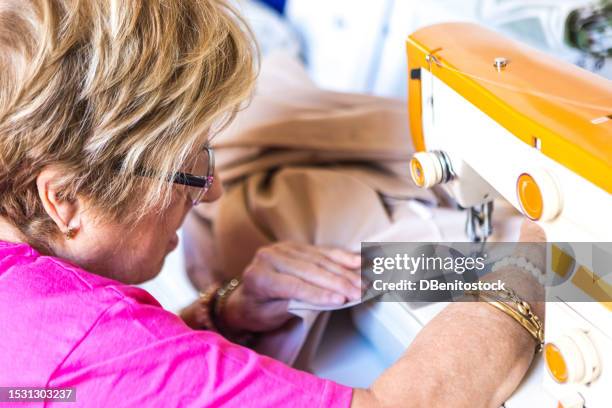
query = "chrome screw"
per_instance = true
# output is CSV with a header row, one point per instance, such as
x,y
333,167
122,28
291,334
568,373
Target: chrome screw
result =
x,y
500,63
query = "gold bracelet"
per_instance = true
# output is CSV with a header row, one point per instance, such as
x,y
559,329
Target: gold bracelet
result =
x,y
223,293
206,300
522,312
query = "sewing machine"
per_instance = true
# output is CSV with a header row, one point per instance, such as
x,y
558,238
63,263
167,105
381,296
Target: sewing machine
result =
x,y
493,120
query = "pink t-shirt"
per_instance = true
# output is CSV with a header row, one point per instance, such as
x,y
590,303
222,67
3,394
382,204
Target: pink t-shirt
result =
x,y
63,327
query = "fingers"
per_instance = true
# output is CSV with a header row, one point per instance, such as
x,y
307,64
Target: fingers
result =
x,y
532,232
532,244
318,257
291,287
341,257
310,272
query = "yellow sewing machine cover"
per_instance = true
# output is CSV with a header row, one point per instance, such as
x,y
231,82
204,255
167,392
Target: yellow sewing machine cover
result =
x,y
535,97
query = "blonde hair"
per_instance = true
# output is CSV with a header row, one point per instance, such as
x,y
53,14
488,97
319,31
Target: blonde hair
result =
x,y
102,88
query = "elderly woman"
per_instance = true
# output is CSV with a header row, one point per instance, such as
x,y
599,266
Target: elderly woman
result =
x,y
106,109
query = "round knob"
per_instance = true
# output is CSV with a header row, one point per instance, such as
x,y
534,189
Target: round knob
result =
x,y
430,168
572,358
538,196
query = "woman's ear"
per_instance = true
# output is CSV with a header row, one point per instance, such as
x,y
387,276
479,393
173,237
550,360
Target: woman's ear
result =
x,y
65,214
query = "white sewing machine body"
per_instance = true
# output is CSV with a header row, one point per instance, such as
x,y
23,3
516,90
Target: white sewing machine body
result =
x,y
493,119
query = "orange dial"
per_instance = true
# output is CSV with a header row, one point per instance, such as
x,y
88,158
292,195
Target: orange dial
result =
x,y
555,363
530,196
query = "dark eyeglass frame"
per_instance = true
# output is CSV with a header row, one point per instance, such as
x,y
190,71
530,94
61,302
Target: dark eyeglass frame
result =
x,y
204,183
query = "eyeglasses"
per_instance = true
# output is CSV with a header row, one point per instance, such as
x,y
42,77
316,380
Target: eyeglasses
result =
x,y
200,177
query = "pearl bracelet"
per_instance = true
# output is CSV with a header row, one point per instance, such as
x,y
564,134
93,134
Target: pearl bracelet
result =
x,y
522,263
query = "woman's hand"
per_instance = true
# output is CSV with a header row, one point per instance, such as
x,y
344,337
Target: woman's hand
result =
x,y
531,232
491,347
532,244
286,271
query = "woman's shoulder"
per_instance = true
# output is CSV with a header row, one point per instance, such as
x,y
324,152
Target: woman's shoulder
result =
x,y
30,273
53,306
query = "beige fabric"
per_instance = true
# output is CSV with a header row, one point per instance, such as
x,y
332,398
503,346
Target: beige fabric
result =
x,y
307,165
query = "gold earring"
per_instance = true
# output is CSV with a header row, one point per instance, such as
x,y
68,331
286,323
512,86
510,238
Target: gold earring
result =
x,y
71,233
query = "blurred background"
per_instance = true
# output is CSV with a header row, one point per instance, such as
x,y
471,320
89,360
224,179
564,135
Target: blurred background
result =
x,y
358,45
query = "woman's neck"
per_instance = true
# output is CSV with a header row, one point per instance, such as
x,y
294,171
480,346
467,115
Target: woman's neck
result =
x,y
9,233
